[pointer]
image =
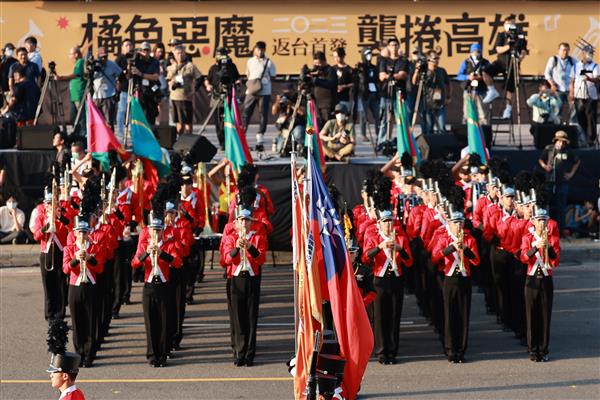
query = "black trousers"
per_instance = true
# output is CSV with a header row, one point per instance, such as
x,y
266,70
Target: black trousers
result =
x,y
245,299
417,273
54,283
502,262
517,299
434,292
107,295
154,301
193,265
178,282
485,275
457,310
587,116
83,304
539,292
387,312
121,276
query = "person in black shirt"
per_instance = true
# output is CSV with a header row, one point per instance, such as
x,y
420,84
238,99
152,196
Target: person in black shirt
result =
x,y
29,69
325,87
146,71
344,75
5,63
25,96
222,75
122,61
560,164
393,73
436,94
368,92
508,42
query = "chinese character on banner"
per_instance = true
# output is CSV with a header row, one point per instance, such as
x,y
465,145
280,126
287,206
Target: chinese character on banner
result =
x,y
300,47
336,43
319,44
464,32
109,34
234,33
427,36
144,30
498,22
281,47
88,30
192,32
372,29
405,38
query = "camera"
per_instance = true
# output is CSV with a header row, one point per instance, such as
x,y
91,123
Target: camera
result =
x,y
52,67
176,85
584,72
516,39
305,79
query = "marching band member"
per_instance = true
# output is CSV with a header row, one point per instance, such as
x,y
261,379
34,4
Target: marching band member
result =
x,y
244,251
157,254
541,252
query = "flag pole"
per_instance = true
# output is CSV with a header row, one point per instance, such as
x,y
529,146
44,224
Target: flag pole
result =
x,y
294,242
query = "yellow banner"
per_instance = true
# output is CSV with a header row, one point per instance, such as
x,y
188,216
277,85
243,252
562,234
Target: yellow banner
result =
x,y
294,31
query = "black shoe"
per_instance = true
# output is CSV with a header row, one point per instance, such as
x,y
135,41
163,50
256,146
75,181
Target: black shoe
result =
x,y
382,360
259,147
177,346
249,362
162,363
451,358
88,364
461,359
238,362
391,361
189,301
82,362
533,357
544,358
115,315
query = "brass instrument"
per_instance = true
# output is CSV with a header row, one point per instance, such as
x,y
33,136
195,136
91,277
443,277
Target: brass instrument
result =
x,y
53,206
545,252
227,183
347,227
243,255
66,186
154,254
460,237
111,193
201,180
394,264
103,199
83,262
138,186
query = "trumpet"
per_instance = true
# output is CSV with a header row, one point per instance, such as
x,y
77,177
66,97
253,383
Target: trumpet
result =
x,y
243,255
154,254
394,264
460,237
53,205
66,186
111,191
201,181
103,199
227,184
347,227
138,186
545,252
82,261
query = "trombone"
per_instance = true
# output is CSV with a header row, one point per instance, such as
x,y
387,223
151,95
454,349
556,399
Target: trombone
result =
x,y
154,254
51,216
201,180
83,261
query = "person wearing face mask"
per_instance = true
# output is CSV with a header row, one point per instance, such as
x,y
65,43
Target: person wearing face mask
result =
x,y
12,223
106,74
338,135
587,76
8,59
507,43
368,92
545,106
471,72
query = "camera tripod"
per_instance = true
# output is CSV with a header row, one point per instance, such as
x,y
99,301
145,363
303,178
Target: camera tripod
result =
x,y
513,67
302,95
50,87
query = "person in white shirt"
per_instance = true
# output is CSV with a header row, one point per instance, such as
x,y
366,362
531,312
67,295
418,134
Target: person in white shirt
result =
x,y
12,223
33,53
560,74
587,76
261,69
545,105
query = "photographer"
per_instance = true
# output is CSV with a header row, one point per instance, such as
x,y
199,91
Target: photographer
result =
x,y
182,76
436,93
283,109
338,135
105,76
146,71
222,75
123,60
259,71
545,105
471,73
76,83
393,73
345,77
368,92
25,95
324,80
508,43
560,74
587,76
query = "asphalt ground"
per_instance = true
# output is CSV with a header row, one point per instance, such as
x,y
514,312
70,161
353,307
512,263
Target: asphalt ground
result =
x,y
497,367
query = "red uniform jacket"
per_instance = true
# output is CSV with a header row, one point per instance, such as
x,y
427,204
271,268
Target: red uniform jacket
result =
x,y
450,261
129,205
71,266
194,206
183,234
415,218
478,211
534,258
70,209
502,220
169,256
74,395
489,220
256,255
39,230
467,188
264,193
431,221
381,261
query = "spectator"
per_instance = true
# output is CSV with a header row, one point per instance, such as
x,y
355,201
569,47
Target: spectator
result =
x,y
338,135
345,77
79,161
5,64
76,86
560,74
30,70
545,105
580,220
259,68
106,74
159,53
587,76
25,96
146,72
436,94
182,76
122,61
471,73
393,72
368,92
12,223
33,53
325,86
560,164
58,142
